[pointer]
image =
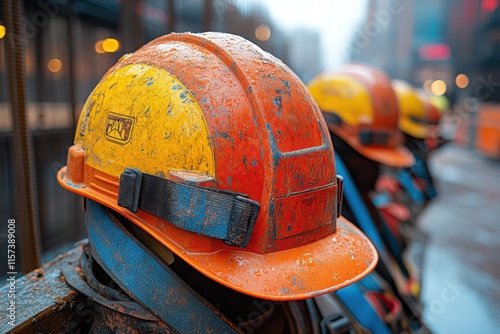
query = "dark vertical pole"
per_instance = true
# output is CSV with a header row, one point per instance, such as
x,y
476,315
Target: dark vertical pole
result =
x,y
39,70
24,171
71,70
131,26
207,17
171,10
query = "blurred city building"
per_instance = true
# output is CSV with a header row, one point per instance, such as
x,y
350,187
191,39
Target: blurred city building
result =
x,y
448,47
304,56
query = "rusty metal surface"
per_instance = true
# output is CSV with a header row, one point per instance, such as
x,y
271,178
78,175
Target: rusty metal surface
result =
x,y
461,272
108,321
45,303
24,168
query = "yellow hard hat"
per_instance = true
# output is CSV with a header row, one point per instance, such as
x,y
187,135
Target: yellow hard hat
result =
x,y
413,113
360,107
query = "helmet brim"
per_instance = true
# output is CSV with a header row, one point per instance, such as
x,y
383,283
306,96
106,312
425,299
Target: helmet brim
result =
x,y
397,157
415,130
317,268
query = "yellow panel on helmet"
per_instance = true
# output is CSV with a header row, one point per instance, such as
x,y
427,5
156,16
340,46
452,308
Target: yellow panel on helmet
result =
x,y
343,96
359,106
120,111
412,110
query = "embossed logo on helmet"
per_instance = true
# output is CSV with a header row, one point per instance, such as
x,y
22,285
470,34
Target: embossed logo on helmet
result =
x,y
119,128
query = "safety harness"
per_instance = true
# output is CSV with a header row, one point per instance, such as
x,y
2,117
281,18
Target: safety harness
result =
x,y
160,290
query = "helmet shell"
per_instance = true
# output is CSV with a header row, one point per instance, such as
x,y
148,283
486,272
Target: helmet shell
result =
x,y
216,106
414,110
360,107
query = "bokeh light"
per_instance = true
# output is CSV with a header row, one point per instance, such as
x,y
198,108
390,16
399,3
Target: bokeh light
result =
x,y
263,33
438,87
462,81
98,47
427,86
110,45
54,65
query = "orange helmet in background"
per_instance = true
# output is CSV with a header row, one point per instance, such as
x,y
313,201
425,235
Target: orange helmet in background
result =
x,y
433,115
214,114
431,120
360,107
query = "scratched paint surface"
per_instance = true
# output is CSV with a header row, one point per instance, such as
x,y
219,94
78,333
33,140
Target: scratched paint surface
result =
x,y
258,123
142,115
259,118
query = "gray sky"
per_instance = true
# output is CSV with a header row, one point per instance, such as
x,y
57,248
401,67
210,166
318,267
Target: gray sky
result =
x,y
336,20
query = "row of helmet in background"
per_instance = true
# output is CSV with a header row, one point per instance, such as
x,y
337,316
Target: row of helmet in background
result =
x,y
383,131
213,201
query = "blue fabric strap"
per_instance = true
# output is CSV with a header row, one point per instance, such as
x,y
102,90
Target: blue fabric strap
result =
x,y
219,214
421,170
393,246
366,222
406,180
359,210
367,225
146,278
354,300
352,296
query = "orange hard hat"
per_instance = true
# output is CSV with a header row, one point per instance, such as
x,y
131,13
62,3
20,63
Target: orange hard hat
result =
x,y
433,115
360,107
433,112
430,121
213,116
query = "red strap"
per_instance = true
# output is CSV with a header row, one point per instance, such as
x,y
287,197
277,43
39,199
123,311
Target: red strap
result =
x,y
387,306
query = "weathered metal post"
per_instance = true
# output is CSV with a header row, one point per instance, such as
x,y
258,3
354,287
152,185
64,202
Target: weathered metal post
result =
x,y
24,161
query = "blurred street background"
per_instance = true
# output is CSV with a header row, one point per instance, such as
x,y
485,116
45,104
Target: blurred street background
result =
x,y
446,48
